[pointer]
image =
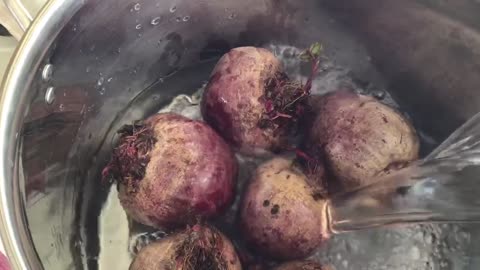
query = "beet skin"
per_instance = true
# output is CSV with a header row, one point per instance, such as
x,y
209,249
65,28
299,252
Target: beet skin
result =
x,y
186,172
250,101
282,215
197,248
359,138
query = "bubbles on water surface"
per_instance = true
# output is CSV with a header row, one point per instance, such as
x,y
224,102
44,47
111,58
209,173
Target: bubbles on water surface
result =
x,y
137,6
100,81
186,18
173,9
138,26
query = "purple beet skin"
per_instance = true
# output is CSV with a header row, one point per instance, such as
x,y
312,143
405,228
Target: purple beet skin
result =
x,y
251,102
172,170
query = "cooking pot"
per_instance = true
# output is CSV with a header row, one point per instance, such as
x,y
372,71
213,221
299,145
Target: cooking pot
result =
x,y
85,67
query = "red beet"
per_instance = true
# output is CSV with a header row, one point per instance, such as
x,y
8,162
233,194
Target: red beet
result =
x,y
4,264
282,215
172,170
358,137
197,248
302,265
251,102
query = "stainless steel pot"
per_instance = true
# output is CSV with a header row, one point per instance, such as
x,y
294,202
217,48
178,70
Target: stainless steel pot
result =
x,y
86,66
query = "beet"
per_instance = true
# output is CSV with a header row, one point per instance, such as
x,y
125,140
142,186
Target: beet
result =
x,y
196,248
301,265
252,103
172,170
4,263
358,138
283,215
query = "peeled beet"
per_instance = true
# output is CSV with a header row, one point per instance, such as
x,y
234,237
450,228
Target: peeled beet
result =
x,y
197,248
358,138
301,265
282,215
251,102
172,170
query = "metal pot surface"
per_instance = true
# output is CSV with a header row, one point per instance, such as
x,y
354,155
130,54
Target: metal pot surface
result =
x,y
86,67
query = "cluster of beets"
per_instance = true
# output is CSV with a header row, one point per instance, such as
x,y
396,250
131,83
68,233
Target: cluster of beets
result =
x,y
175,173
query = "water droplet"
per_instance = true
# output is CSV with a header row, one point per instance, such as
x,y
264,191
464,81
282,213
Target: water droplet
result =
x,y
50,95
137,6
110,79
178,19
379,94
47,72
61,107
186,18
232,16
138,26
100,81
173,9
156,20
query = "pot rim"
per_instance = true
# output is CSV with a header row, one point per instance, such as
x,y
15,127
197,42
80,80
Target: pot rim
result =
x,y
23,67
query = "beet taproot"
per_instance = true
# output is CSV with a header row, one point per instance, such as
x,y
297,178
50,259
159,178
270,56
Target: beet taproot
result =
x,y
358,138
250,100
283,215
196,248
172,170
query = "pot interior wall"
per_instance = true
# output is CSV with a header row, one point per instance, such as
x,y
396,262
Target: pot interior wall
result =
x,y
118,61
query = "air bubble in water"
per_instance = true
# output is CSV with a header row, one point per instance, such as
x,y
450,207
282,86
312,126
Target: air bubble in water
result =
x,y
186,18
156,20
50,95
137,6
138,26
61,107
100,81
178,19
102,91
47,72
173,9
110,79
